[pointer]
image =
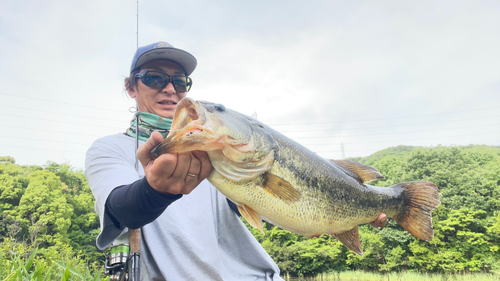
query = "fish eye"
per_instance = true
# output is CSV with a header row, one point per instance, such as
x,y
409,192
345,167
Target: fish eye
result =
x,y
220,107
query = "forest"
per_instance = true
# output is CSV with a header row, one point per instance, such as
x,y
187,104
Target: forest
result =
x,y
48,225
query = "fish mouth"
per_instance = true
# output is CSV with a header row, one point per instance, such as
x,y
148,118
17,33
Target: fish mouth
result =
x,y
187,111
189,130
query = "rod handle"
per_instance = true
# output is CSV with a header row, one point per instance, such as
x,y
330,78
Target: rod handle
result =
x,y
135,240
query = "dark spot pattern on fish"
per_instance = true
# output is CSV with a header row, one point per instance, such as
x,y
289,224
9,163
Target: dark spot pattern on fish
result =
x,y
328,181
276,179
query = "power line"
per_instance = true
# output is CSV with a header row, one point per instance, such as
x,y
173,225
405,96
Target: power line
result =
x,y
326,151
31,139
270,124
60,121
374,119
348,129
60,102
404,125
51,112
397,133
406,139
36,148
51,131
331,144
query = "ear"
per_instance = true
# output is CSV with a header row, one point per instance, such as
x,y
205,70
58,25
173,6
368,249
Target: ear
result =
x,y
132,93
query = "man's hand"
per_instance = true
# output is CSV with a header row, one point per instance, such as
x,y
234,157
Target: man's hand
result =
x,y
174,173
380,221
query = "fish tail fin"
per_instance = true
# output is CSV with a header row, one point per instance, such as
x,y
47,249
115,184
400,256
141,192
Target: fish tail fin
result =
x,y
420,199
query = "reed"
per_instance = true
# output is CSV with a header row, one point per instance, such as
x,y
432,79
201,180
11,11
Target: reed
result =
x,y
18,262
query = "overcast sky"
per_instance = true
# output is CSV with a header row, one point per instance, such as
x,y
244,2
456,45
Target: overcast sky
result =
x,y
366,74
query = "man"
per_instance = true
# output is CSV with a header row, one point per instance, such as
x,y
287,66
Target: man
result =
x,y
199,237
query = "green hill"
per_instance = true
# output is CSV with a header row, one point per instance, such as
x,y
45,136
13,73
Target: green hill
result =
x,y
50,208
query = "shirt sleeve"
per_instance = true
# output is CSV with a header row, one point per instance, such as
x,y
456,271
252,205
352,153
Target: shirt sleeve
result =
x,y
137,204
233,207
110,163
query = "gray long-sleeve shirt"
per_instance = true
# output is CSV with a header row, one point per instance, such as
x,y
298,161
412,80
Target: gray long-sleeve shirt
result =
x,y
198,237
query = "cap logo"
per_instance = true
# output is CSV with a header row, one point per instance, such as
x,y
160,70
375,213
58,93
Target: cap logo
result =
x,y
163,45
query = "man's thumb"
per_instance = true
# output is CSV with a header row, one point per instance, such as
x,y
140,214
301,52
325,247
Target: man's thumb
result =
x,y
144,151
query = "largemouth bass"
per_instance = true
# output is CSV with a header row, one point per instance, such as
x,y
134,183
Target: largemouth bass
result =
x,y
271,177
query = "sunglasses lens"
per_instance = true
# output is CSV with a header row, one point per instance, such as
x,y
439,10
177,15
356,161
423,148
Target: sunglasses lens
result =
x,y
181,83
154,79
160,80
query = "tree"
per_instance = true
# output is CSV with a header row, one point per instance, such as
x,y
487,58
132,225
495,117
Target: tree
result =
x,y
43,206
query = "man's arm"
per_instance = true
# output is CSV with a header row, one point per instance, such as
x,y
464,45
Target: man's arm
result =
x,y
166,180
137,204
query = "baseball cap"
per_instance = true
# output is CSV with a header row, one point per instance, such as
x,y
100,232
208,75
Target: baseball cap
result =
x,y
163,50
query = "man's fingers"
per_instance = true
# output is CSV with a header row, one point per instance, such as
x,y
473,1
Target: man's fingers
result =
x,y
194,168
144,151
205,164
182,166
380,221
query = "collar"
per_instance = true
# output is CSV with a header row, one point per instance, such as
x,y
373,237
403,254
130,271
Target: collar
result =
x,y
148,123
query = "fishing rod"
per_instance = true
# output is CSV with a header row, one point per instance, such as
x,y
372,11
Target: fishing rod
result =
x,y
122,261
134,269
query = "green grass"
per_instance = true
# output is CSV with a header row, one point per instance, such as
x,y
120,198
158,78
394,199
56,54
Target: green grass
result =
x,y
59,262
401,276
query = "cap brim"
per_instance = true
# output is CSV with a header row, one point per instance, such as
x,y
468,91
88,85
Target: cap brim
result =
x,y
185,59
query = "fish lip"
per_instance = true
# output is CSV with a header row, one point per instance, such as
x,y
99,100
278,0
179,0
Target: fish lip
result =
x,y
187,111
189,119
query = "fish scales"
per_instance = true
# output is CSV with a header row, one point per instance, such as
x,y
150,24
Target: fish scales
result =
x,y
337,199
271,177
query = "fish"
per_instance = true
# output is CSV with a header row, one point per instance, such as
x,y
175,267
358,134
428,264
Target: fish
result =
x,y
272,178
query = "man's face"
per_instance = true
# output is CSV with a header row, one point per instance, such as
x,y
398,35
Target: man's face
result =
x,y
161,102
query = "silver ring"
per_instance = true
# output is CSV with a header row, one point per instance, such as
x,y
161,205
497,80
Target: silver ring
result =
x,y
192,175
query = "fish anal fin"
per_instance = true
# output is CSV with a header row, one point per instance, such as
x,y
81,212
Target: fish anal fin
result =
x,y
350,239
280,188
363,172
416,217
252,217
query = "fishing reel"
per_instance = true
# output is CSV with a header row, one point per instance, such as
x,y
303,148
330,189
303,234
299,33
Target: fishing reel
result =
x,y
116,263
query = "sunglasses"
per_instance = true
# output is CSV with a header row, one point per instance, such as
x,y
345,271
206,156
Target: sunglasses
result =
x,y
156,79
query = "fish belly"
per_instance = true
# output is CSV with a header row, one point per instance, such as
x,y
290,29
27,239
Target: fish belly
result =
x,y
314,213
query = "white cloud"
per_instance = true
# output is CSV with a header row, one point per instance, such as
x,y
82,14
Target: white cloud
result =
x,y
292,63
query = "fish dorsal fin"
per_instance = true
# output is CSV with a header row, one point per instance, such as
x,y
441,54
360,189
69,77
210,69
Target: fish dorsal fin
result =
x,y
280,188
350,239
362,173
252,217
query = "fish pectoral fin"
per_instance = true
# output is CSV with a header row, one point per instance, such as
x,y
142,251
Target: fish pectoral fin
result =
x,y
252,217
350,239
362,173
280,188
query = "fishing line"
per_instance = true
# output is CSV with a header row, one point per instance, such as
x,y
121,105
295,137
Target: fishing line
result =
x,y
134,270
